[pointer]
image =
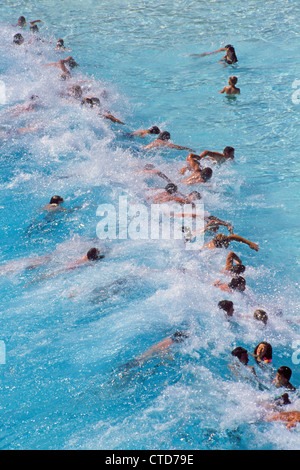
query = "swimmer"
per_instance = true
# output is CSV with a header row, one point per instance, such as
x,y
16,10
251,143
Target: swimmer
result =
x,y
233,265
165,344
18,39
60,46
289,418
54,204
227,306
200,175
237,284
31,105
62,65
170,193
163,141
223,241
95,102
75,92
263,353
282,378
22,22
261,315
193,159
143,133
149,168
242,355
230,56
231,89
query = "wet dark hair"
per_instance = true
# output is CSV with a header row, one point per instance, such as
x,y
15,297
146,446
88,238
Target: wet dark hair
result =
x,y
206,174
231,57
164,135
238,269
226,305
196,194
268,353
233,80
285,371
261,315
77,91
237,283
18,39
21,20
221,241
60,42
238,352
171,188
149,166
56,200
93,254
87,102
283,400
154,130
34,28
228,150
72,63
179,336
95,101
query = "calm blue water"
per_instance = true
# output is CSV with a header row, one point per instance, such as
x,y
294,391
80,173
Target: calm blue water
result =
x,y
66,336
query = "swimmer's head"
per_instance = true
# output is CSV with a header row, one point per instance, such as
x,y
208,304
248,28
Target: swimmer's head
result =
x,y
164,136
238,269
263,351
149,166
195,195
241,354
154,130
34,98
71,63
94,254
221,240
232,80
21,21
18,39
56,200
206,174
283,400
171,188
228,152
33,28
179,336
284,373
87,102
237,283
230,54
261,315
95,101
60,43
227,306
76,91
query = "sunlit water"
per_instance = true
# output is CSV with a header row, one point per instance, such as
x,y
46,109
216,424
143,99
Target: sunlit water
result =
x,y
67,336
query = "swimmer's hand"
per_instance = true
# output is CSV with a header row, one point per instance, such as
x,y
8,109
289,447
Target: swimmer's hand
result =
x,y
253,246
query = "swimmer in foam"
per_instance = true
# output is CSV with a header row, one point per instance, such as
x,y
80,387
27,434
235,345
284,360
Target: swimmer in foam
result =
x,y
199,175
237,284
171,194
217,157
282,378
242,355
289,418
154,130
30,105
233,265
231,89
149,168
223,241
62,64
229,58
22,22
60,46
55,204
263,353
162,346
94,102
163,141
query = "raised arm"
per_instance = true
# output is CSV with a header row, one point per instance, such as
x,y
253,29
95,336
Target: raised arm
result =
x,y
239,239
231,257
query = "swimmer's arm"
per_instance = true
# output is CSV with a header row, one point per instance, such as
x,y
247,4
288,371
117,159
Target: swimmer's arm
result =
x,y
179,147
213,52
35,21
230,259
183,170
237,238
223,91
112,118
213,155
192,159
141,133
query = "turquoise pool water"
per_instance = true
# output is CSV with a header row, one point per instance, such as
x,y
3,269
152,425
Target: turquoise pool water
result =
x,y
66,337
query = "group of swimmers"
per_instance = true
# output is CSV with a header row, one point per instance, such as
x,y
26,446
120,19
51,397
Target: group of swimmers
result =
x,y
198,175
